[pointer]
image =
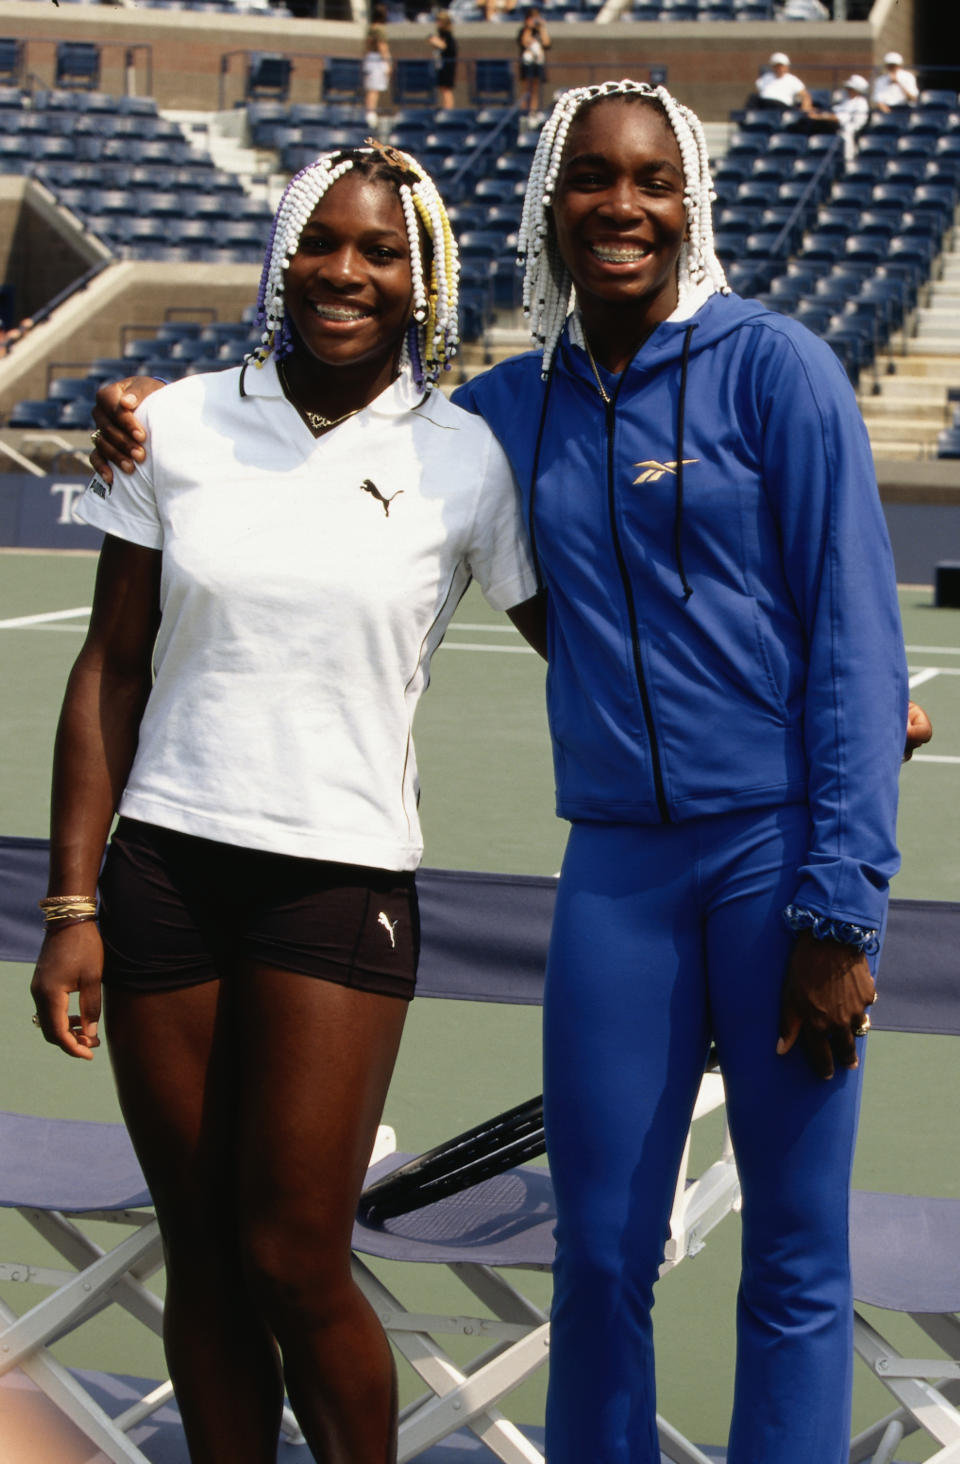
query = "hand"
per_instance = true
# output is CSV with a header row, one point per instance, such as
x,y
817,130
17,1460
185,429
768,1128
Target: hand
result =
x,y
71,959
120,434
919,729
825,997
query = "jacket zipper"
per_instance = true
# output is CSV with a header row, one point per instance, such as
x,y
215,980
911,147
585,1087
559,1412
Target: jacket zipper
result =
x,y
610,409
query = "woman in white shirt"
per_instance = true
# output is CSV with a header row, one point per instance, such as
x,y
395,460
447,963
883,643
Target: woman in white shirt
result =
x,y
285,554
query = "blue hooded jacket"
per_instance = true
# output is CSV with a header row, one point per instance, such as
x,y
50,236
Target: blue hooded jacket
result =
x,y
723,625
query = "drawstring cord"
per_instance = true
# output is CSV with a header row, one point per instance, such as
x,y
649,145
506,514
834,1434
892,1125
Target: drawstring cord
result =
x,y
531,525
678,512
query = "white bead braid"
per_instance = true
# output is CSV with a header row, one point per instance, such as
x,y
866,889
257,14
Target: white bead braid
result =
x,y
547,286
432,339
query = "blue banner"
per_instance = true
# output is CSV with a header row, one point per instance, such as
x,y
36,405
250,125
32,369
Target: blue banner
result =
x,y
37,513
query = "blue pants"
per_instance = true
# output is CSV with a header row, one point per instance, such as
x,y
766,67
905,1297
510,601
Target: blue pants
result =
x,y
666,938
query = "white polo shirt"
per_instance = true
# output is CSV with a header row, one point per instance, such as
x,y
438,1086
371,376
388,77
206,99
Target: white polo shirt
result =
x,y
897,90
305,585
786,89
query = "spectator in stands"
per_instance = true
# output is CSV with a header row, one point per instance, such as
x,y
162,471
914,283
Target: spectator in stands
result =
x,y
851,113
316,514
895,86
444,44
10,337
533,43
776,86
377,65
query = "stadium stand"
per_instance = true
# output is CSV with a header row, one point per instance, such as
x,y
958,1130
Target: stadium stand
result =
x,y
850,250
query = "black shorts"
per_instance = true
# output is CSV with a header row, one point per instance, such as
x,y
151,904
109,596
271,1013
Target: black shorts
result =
x,y
178,910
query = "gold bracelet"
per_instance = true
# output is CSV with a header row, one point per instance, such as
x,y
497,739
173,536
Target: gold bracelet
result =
x,y
67,909
61,920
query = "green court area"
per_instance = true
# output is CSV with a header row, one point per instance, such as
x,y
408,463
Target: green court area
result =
x,y
488,804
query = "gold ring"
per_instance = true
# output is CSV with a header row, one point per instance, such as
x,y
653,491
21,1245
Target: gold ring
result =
x,y
95,436
863,1028
35,1020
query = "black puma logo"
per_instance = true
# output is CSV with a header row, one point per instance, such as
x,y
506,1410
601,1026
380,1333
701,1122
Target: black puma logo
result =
x,y
370,487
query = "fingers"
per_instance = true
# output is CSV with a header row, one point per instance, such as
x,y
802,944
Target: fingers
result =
x,y
70,961
818,1050
64,1029
119,436
919,730
789,1032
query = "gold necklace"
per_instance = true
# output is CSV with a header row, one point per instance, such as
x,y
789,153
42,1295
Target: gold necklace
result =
x,y
596,373
315,420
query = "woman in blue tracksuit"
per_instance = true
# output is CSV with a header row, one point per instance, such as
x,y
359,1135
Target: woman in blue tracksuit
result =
x,y
727,698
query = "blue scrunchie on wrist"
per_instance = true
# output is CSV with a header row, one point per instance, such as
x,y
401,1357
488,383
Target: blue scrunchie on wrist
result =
x,y
822,927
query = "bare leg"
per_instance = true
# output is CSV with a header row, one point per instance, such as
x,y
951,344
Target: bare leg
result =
x,y
318,1059
177,1065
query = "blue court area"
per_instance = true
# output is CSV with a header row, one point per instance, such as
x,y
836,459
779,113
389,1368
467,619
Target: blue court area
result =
x,y
487,804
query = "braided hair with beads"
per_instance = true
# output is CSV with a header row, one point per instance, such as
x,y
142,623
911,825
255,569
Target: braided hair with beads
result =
x,y
547,285
431,339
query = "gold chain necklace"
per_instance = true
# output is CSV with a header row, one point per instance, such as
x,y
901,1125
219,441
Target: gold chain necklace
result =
x,y
315,420
596,373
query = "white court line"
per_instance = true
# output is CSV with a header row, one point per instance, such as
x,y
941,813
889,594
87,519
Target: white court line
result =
x,y
496,629
919,677
449,645
932,650
46,618
932,757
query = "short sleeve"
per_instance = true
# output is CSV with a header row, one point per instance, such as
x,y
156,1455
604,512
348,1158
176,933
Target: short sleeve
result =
x,y
499,554
127,509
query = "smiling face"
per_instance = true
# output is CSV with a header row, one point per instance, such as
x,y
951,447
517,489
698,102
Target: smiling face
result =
x,y
618,213
348,289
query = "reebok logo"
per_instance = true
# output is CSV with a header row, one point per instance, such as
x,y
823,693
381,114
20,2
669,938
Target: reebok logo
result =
x,y
654,471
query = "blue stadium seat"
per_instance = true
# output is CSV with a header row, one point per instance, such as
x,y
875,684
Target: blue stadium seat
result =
x,y
493,82
34,414
729,244
342,77
884,221
897,196
820,246
764,244
70,389
887,123
789,288
74,414
789,144
815,317
268,75
77,65
479,244
935,199
837,219
16,153
413,80
11,61
760,193
937,101
736,217
866,248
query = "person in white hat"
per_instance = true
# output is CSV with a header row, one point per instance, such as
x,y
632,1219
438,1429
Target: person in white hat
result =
x,y
850,112
777,84
895,86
